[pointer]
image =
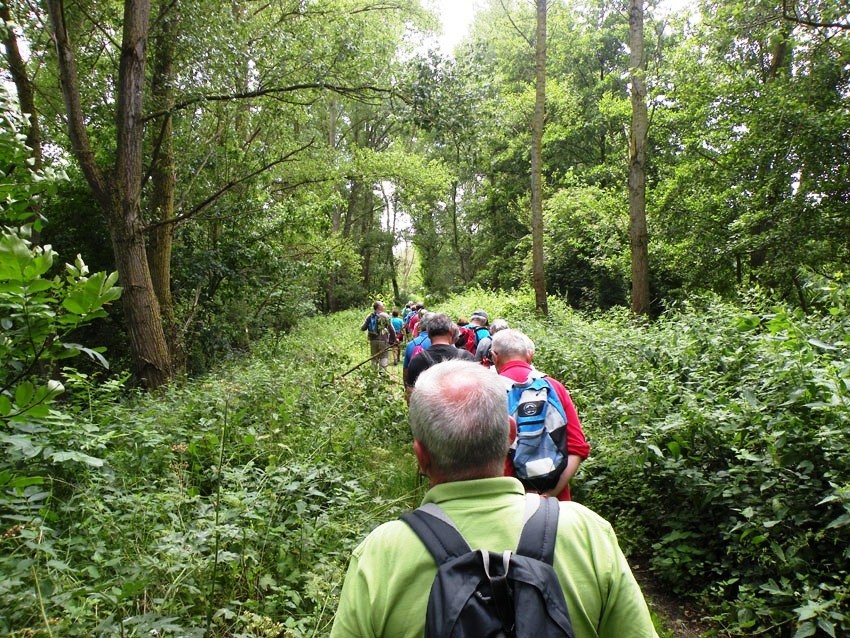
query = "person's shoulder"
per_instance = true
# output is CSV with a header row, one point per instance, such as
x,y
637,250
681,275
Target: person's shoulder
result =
x,y
575,516
386,539
464,354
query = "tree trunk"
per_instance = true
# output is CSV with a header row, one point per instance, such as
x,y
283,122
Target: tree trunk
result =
x,y
163,181
23,85
26,98
638,235
118,192
538,273
464,275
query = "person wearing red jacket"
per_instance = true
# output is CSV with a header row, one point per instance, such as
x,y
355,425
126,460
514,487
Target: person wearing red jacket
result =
x,y
512,353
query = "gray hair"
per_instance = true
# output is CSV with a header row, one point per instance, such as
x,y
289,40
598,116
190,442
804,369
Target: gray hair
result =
x,y
512,344
459,412
440,324
424,318
498,325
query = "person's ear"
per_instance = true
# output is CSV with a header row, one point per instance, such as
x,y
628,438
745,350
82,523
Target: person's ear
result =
x,y
511,430
423,457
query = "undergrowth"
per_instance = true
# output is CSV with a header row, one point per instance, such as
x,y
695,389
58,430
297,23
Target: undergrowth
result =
x,y
228,505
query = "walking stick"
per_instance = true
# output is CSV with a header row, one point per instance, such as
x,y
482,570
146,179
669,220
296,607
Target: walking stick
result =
x,y
350,370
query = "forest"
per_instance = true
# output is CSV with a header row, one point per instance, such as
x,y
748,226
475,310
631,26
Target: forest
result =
x,y
201,199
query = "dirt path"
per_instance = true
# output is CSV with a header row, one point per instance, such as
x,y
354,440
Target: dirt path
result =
x,y
682,618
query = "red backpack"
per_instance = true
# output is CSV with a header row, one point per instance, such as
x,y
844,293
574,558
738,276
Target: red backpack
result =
x,y
466,339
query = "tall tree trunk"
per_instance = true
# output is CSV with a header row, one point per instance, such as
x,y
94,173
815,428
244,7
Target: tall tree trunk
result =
x,y
780,57
163,179
26,95
118,192
464,275
638,235
538,272
23,85
367,227
392,221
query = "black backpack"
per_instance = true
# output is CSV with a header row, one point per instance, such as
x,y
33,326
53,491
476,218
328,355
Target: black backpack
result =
x,y
490,595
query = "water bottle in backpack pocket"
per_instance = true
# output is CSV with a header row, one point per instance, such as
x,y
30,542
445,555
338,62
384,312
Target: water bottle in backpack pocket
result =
x,y
537,457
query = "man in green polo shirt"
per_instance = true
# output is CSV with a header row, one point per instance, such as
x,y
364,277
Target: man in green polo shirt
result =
x,y
460,430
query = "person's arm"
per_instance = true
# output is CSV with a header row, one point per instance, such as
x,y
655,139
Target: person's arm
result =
x,y
482,349
573,461
352,616
625,613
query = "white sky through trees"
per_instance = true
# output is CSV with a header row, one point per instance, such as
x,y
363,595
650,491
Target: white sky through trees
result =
x,y
456,17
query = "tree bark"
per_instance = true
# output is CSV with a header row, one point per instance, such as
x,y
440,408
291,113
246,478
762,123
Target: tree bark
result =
x,y
118,193
638,234
23,85
537,261
26,99
163,181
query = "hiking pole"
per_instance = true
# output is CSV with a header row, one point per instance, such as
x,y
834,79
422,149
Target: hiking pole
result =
x,y
349,371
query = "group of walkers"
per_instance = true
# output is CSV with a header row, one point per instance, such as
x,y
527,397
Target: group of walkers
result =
x,y
499,442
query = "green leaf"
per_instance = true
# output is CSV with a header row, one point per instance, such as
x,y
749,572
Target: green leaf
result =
x,y
827,627
24,394
805,630
821,344
62,457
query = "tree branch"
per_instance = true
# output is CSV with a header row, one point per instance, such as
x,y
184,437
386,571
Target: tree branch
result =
x,y
513,24
349,91
807,21
70,85
224,189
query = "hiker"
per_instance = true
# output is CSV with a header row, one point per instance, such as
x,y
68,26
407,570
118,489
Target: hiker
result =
x,y
512,353
442,332
478,324
460,431
397,324
379,330
415,346
482,352
413,319
465,337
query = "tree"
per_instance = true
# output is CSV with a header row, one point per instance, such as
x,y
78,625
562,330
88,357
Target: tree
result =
x,y
118,189
638,236
538,269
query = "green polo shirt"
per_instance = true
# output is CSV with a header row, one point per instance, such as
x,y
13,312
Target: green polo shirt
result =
x,y
386,589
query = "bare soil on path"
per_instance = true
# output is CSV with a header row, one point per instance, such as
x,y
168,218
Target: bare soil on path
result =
x,y
682,617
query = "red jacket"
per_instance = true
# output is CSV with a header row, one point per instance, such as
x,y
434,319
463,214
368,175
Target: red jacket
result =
x,y
518,372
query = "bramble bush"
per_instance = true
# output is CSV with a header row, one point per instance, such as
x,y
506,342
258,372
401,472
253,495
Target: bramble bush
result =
x,y
720,440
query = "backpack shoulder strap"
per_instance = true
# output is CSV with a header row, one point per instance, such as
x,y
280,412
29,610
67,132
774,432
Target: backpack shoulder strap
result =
x,y
437,532
539,533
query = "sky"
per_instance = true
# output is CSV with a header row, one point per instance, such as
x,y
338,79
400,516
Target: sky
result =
x,y
456,17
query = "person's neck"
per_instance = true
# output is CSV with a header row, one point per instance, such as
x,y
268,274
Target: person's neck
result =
x,y
441,340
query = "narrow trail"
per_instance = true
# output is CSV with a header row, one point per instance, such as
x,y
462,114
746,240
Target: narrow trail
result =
x,y
680,618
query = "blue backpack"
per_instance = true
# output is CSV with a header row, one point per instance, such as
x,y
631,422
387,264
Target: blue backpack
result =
x,y
371,325
539,453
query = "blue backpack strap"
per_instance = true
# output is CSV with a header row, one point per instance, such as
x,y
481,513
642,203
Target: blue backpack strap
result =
x,y
438,534
540,532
